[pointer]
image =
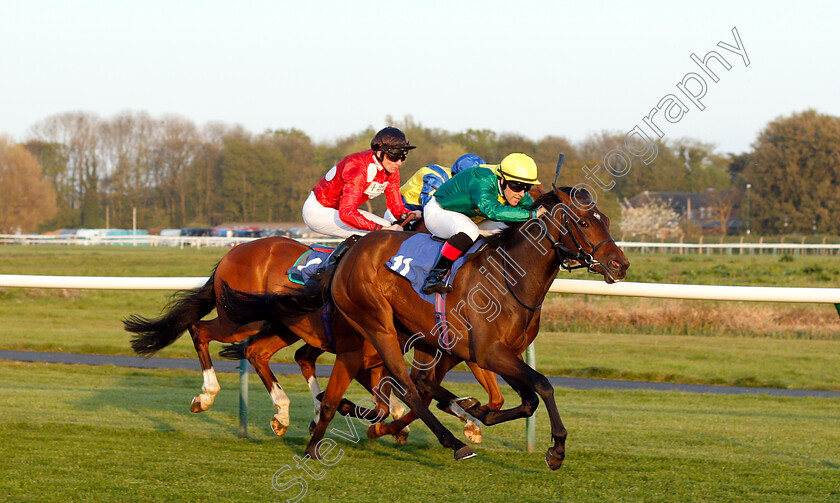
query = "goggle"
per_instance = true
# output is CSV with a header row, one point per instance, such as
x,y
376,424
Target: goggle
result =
x,y
519,186
396,155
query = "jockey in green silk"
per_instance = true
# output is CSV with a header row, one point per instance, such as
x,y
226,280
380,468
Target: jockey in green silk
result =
x,y
491,194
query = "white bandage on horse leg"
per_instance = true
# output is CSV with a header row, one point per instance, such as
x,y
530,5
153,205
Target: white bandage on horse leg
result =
x,y
209,389
315,389
397,410
472,429
280,422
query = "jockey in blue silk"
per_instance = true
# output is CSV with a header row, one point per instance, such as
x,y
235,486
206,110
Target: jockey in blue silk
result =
x,y
417,191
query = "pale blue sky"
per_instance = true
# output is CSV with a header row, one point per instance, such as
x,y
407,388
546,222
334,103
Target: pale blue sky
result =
x,y
333,68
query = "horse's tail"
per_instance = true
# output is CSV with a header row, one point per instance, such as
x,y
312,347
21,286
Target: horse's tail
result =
x,y
244,307
236,350
184,308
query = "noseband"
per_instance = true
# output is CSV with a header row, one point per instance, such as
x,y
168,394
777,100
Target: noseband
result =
x,y
565,254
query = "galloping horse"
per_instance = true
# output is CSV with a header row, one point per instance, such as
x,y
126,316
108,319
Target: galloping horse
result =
x,y
260,266
495,307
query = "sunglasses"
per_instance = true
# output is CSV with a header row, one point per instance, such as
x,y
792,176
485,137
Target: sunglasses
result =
x,y
519,186
396,155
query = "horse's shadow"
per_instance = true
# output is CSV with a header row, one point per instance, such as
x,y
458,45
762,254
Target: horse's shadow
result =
x,y
163,401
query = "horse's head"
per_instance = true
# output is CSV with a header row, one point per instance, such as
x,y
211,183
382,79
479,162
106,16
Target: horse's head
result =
x,y
582,233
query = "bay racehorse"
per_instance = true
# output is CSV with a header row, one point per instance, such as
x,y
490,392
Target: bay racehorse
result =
x,y
492,311
261,266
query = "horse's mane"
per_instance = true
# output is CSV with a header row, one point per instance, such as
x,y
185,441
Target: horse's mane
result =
x,y
549,200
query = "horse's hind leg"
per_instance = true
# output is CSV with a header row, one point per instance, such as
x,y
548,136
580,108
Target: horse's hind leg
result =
x,y
488,381
202,333
258,351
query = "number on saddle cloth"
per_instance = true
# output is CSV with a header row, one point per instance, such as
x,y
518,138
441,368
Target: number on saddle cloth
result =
x,y
416,257
306,265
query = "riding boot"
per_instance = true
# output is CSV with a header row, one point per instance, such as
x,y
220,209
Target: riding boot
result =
x,y
334,257
435,282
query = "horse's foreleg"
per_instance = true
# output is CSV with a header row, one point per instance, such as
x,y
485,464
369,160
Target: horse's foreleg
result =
x,y
428,382
378,383
528,383
305,357
369,378
346,366
389,349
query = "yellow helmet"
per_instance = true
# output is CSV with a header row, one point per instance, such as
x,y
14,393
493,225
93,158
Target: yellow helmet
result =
x,y
519,168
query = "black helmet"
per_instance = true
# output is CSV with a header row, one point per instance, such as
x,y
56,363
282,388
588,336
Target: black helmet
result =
x,y
390,138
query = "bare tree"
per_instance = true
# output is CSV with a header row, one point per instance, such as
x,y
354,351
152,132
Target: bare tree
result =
x,y
721,204
128,143
78,136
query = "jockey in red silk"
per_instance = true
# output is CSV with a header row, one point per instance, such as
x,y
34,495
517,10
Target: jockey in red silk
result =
x,y
333,206
491,194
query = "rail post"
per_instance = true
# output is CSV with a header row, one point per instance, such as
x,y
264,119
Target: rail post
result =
x,y
243,398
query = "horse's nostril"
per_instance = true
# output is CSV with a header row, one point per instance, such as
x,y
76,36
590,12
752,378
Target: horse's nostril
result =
x,y
615,264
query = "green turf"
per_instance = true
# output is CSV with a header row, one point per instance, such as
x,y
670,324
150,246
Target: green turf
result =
x,y
78,433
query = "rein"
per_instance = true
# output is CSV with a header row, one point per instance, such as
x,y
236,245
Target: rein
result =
x,y
510,288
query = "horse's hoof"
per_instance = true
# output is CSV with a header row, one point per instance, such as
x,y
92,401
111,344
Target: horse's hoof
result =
x,y
374,431
195,405
553,459
402,436
278,428
312,426
312,451
464,453
473,432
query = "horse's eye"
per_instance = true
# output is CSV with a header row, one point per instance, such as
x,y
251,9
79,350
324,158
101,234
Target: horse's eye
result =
x,y
584,224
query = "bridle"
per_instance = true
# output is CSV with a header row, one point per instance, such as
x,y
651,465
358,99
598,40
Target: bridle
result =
x,y
565,255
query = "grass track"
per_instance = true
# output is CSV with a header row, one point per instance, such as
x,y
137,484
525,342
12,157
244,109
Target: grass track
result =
x,y
78,433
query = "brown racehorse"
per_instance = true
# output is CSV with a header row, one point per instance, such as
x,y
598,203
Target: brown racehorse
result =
x,y
258,266
493,310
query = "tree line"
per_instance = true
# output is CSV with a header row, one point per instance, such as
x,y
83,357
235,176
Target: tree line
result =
x,y
95,171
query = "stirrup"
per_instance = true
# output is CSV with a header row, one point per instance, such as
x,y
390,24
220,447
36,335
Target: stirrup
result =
x,y
435,282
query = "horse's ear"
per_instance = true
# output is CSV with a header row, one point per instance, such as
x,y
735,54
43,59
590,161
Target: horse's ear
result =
x,y
563,196
557,173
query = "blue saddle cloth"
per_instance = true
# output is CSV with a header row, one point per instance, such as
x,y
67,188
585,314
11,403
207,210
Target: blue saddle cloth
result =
x,y
306,265
416,257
